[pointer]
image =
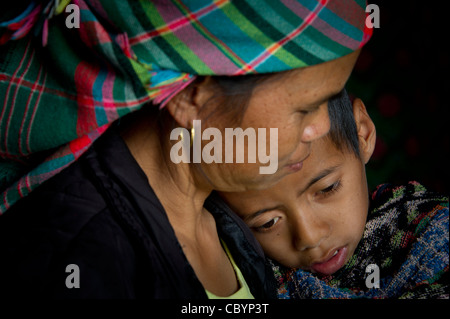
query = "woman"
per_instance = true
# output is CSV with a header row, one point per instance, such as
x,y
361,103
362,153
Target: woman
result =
x,y
126,219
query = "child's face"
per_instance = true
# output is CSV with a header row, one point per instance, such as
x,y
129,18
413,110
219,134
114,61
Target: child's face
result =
x,y
310,215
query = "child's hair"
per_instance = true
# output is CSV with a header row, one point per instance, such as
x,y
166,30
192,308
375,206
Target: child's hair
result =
x,y
343,132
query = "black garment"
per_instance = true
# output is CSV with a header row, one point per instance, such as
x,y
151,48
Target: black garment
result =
x,y
101,214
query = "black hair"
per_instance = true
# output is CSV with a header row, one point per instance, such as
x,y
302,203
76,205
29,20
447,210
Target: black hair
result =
x,y
343,132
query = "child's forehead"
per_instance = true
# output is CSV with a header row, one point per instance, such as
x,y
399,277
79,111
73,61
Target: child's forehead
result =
x,y
324,156
325,149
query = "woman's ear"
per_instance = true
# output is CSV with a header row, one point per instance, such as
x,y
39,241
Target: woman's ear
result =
x,y
185,106
366,130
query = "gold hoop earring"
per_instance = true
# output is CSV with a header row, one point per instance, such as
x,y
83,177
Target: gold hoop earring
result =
x,y
181,135
192,135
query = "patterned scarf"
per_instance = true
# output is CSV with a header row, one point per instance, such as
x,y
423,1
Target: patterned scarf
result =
x,y
62,86
406,236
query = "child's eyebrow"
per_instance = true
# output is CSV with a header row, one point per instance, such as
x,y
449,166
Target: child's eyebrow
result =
x,y
323,173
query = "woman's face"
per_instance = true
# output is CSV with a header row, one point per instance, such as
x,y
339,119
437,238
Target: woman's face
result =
x,y
296,105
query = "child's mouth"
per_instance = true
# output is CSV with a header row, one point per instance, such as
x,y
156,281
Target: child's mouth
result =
x,y
332,263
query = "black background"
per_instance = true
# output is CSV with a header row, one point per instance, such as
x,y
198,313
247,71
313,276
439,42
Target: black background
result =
x,y
402,75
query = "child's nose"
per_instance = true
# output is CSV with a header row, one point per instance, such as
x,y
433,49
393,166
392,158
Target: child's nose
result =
x,y
310,231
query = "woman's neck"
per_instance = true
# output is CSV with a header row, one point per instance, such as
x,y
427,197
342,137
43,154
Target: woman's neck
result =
x,y
182,193
180,190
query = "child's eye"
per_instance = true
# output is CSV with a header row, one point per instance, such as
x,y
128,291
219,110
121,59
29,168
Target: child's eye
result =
x,y
268,225
330,189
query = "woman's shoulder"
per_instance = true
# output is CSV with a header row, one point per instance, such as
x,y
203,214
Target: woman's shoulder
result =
x,y
66,221
77,194
71,192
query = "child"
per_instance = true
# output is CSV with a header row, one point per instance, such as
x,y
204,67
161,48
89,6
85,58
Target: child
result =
x,y
323,243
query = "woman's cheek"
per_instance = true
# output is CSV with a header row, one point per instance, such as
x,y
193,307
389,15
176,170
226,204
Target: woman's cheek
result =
x,y
288,143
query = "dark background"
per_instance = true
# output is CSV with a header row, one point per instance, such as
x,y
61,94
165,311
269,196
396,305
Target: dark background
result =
x,y
402,75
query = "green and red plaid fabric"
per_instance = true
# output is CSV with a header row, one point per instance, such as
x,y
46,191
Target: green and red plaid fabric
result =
x,y
62,87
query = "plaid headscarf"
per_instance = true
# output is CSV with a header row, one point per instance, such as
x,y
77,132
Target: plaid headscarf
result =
x,y
62,87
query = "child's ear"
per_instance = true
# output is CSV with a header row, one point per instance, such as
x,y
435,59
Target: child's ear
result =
x,y
185,106
366,130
